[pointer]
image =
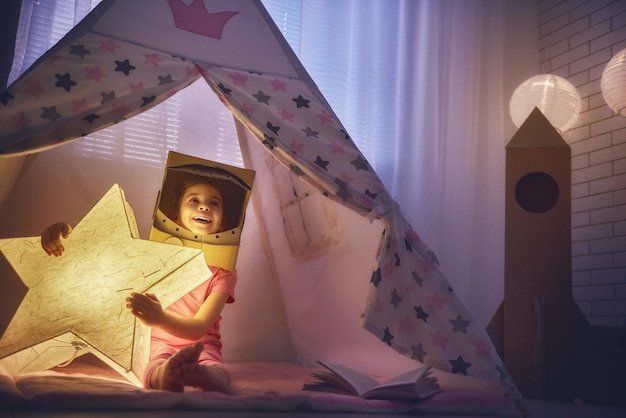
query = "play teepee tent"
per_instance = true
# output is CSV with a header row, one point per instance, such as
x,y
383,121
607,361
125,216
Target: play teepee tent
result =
x,y
127,56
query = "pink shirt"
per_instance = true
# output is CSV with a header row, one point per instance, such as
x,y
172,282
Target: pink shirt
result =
x,y
222,281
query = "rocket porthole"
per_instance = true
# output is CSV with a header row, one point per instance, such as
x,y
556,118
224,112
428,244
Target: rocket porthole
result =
x,y
537,192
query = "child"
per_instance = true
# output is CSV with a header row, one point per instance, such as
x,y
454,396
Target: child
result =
x,y
174,362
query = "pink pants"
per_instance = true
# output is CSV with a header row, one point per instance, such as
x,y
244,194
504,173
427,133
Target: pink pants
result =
x,y
161,352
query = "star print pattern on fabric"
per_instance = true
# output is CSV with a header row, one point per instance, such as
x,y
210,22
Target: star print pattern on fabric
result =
x,y
43,107
297,125
429,322
104,261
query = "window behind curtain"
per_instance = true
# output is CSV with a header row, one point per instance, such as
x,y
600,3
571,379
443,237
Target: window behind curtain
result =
x,y
42,24
193,121
351,49
287,14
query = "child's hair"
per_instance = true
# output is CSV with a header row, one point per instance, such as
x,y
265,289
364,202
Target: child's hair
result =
x,y
182,187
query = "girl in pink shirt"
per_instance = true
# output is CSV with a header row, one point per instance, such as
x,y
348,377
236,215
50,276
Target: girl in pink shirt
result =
x,y
185,348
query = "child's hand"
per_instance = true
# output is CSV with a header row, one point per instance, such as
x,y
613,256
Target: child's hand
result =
x,y
51,238
146,307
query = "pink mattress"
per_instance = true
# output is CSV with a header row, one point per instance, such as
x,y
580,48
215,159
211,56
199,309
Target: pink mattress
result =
x,y
257,386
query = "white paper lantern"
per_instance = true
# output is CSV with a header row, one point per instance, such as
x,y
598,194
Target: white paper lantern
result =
x,y
613,83
554,96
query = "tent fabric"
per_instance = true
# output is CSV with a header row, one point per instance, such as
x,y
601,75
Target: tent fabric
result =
x,y
86,86
121,60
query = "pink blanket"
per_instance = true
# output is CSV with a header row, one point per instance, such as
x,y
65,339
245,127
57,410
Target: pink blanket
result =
x,y
258,386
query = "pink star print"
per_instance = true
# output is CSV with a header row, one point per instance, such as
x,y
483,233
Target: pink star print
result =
x,y
436,301
238,79
53,58
482,348
120,109
94,73
19,120
136,87
109,45
439,340
153,59
405,325
346,179
412,235
424,264
408,289
335,148
278,85
79,106
298,146
324,118
247,109
284,115
193,71
33,87
386,270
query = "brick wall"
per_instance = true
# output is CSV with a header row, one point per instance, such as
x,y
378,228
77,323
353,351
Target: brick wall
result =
x,y
577,38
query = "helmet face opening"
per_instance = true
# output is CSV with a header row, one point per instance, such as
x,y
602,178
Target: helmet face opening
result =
x,y
235,192
234,184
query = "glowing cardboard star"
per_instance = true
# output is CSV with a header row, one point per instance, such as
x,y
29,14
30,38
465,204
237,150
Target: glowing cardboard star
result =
x,y
84,291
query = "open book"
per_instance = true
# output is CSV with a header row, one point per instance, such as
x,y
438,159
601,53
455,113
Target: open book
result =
x,y
413,385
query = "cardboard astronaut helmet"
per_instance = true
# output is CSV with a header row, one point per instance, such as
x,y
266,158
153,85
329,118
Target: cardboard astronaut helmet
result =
x,y
233,183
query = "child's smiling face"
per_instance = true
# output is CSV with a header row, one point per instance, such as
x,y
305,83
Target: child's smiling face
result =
x,y
201,209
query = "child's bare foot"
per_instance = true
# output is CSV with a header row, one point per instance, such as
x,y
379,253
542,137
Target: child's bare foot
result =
x,y
182,369
170,375
208,378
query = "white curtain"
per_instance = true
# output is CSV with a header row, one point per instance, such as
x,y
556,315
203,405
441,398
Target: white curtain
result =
x,y
42,24
421,85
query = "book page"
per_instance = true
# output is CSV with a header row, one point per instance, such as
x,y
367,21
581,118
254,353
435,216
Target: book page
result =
x,y
415,384
412,385
329,382
410,377
359,381
340,379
